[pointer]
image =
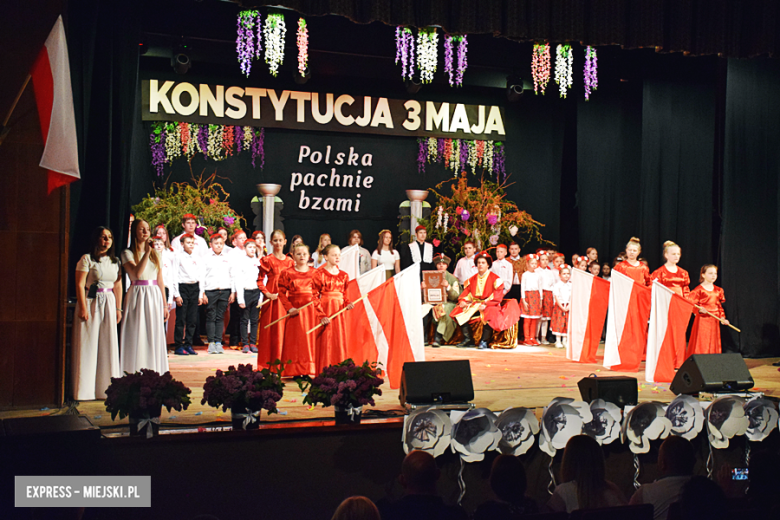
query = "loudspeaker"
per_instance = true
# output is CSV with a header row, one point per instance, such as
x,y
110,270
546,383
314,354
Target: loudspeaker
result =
x,y
712,373
620,390
436,382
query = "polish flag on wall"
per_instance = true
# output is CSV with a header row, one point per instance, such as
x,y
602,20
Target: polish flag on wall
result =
x,y
350,261
54,97
587,311
629,310
398,306
669,317
365,338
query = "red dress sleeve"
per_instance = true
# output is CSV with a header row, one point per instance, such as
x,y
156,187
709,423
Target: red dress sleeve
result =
x,y
263,270
646,274
721,299
686,288
285,284
343,281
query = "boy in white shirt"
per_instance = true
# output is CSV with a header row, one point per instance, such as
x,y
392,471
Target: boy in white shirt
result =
x,y
236,253
217,291
190,223
186,291
503,267
465,267
245,271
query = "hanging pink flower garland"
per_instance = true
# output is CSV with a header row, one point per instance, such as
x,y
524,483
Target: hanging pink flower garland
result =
x,y
540,66
303,47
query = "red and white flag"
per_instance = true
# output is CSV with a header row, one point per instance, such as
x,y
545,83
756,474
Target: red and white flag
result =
x,y
54,97
587,311
669,317
364,333
629,310
350,261
398,306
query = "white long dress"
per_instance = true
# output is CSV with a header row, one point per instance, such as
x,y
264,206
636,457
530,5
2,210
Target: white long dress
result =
x,y
95,357
143,334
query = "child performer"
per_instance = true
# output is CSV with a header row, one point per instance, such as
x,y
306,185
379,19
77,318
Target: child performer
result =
x,y
190,223
594,268
560,317
186,290
295,291
217,291
581,263
330,288
632,267
531,287
592,254
518,268
503,268
271,340
674,277
245,270
480,300
705,334
259,238
466,267
318,257
548,282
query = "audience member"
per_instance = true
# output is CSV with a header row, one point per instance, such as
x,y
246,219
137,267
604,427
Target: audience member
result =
x,y
582,475
356,508
702,499
508,482
676,459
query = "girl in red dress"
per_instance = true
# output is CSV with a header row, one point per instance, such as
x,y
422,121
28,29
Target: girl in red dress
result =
x,y
270,340
531,290
705,335
295,291
330,288
632,267
670,275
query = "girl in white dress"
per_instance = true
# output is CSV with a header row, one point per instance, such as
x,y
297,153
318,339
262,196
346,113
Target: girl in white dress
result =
x,y
385,255
143,336
95,346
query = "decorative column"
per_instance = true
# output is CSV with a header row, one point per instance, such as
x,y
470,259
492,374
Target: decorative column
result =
x,y
416,197
268,191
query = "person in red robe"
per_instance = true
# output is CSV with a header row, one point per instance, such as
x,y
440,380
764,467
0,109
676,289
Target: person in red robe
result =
x,y
330,291
270,340
670,274
631,266
296,292
480,300
705,334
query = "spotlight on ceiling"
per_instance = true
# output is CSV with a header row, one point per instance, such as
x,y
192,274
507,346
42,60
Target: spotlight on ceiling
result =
x,y
412,86
514,88
180,61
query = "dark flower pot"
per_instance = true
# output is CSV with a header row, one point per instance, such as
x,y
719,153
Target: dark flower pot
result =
x,y
239,418
348,414
145,424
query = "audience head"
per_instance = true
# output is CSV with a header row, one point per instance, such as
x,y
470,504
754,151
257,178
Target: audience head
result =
x,y
764,479
701,498
355,238
356,508
583,462
507,478
676,456
419,473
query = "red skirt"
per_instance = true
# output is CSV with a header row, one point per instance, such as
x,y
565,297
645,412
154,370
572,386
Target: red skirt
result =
x,y
299,347
560,321
270,340
534,300
547,305
332,343
705,336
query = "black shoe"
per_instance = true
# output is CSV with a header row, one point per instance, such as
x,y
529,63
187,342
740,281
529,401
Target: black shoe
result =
x,y
483,345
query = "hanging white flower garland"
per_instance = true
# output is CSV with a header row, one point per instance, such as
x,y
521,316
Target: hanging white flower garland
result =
x,y
427,56
274,32
564,65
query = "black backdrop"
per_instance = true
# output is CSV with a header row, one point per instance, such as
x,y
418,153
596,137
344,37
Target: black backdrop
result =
x,y
643,157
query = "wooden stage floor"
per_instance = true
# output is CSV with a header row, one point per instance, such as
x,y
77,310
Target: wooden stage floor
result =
x,y
526,376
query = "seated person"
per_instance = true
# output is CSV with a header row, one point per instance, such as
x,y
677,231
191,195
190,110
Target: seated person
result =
x,y
508,482
676,459
445,326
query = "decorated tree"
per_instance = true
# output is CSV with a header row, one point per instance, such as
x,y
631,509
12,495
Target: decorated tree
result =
x,y
204,198
480,213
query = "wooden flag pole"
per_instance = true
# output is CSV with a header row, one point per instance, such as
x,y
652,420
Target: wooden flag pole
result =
x,y
260,304
702,309
287,315
4,129
335,315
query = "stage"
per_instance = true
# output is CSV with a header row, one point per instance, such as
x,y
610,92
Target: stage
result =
x,y
526,376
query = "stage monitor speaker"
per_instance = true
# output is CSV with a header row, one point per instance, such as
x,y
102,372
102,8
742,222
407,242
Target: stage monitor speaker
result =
x,y
436,382
712,373
620,390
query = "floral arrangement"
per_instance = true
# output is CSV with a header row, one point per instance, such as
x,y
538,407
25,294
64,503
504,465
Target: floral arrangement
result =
x,y
204,197
456,154
591,71
404,51
427,53
481,213
345,384
170,140
303,47
243,388
455,74
540,66
274,32
248,22
144,393
564,63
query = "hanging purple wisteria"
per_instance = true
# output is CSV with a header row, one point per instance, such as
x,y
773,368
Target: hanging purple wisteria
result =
x,y
246,48
591,71
404,51
458,154
455,73
169,141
